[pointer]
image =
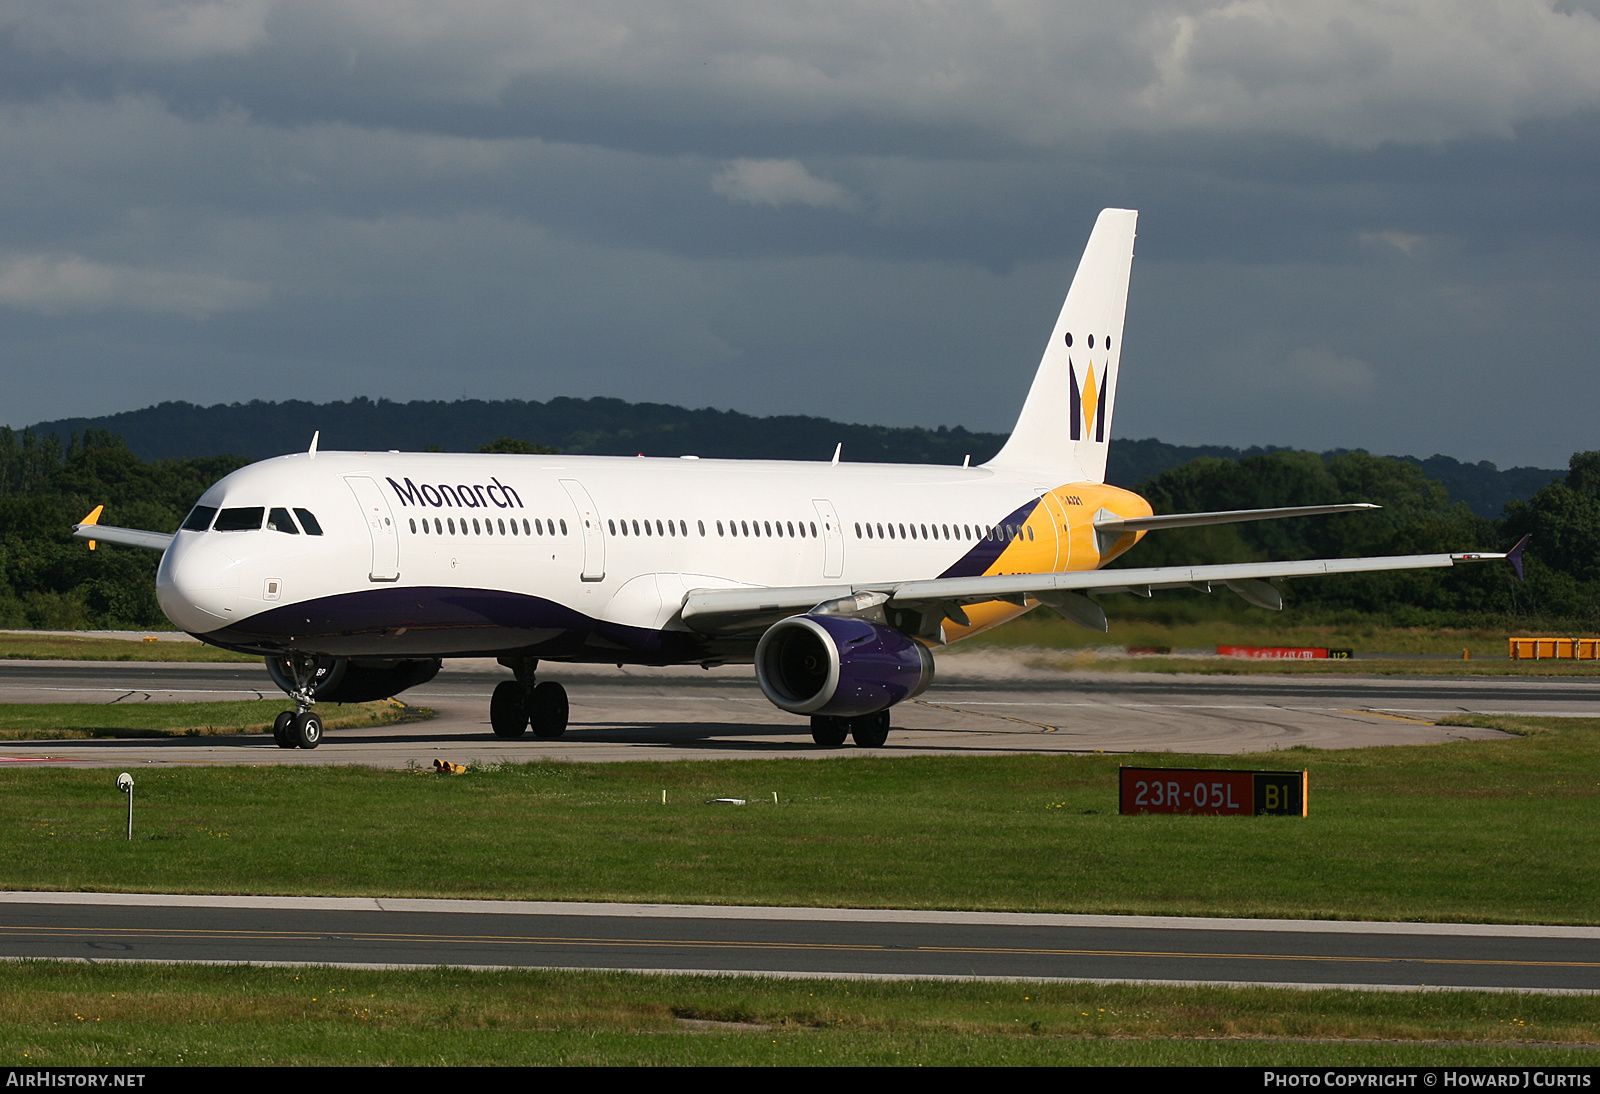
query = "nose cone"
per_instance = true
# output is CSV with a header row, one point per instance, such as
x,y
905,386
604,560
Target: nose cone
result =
x,y
197,585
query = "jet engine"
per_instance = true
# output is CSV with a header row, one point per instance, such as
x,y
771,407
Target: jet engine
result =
x,y
839,665
356,679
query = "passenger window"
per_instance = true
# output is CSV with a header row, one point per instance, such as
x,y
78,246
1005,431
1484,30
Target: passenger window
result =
x,y
247,519
279,520
308,522
199,518
563,527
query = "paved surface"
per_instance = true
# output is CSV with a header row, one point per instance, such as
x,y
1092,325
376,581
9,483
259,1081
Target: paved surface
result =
x,y
797,941
983,704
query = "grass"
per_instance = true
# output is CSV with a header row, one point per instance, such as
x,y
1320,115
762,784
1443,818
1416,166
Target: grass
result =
x,y
131,1016
1495,830
66,721
1167,623
1118,661
1046,639
63,647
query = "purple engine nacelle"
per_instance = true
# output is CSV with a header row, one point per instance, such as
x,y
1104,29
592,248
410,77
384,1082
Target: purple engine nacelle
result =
x,y
839,665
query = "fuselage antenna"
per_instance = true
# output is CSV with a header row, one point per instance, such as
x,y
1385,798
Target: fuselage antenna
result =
x,y
966,461
838,448
312,451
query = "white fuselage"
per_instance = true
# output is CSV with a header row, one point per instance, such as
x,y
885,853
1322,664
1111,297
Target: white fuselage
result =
x,y
580,558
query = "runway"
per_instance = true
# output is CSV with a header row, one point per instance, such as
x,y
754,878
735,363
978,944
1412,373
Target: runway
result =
x,y
797,942
982,704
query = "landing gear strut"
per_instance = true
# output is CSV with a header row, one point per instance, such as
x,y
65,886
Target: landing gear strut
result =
x,y
518,704
300,728
868,730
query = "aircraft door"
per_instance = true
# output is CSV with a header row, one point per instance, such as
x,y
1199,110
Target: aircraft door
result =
x,y
381,526
594,543
832,538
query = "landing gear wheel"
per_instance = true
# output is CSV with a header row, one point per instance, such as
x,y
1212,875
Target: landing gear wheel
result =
x,y
870,730
307,730
547,710
283,730
828,731
506,712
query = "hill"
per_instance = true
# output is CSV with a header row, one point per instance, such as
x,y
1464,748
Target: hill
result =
x,y
614,427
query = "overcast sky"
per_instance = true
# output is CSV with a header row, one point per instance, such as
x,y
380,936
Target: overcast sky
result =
x,y
1363,224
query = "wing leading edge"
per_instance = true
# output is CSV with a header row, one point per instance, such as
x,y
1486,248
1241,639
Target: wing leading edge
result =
x,y
728,611
92,530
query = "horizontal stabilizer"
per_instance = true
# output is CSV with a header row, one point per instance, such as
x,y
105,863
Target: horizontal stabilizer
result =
x,y
1106,521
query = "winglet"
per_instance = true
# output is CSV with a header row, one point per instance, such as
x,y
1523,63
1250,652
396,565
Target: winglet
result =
x,y
93,518
1514,556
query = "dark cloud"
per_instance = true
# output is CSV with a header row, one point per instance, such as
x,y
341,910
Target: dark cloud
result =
x,y
1368,232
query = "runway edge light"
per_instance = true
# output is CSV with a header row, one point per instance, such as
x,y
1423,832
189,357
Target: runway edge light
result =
x,y
125,784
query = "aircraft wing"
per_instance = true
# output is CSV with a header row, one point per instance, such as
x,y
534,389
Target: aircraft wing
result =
x,y
127,537
726,611
91,529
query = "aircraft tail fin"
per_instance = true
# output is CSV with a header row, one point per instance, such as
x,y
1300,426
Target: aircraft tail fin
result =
x,y
1065,425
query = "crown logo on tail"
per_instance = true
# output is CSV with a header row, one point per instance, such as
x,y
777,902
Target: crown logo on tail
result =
x,y
1088,403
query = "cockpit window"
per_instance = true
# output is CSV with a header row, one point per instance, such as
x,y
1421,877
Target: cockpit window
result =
x,y
247,519
279,520
199,518
308,522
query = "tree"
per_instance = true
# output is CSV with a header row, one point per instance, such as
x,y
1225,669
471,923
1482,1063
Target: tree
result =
x,y
512,446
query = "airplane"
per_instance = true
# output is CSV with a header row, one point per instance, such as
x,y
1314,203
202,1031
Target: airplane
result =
x,y
355,573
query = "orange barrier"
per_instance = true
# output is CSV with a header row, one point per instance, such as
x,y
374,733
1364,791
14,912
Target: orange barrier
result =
x,y
1539,649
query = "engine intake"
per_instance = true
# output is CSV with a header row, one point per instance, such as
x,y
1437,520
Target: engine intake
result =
x,y
839,665
357,680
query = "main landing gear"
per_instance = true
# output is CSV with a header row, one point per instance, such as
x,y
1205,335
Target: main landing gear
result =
x,y
519,704
868,730
300,727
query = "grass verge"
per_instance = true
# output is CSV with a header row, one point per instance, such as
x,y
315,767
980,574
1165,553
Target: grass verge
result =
x,y
1118,661
62,647
1164,623
1468,831
71,721
128,1016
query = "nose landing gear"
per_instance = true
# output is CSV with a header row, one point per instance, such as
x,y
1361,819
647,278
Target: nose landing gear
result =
x,y
301,727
